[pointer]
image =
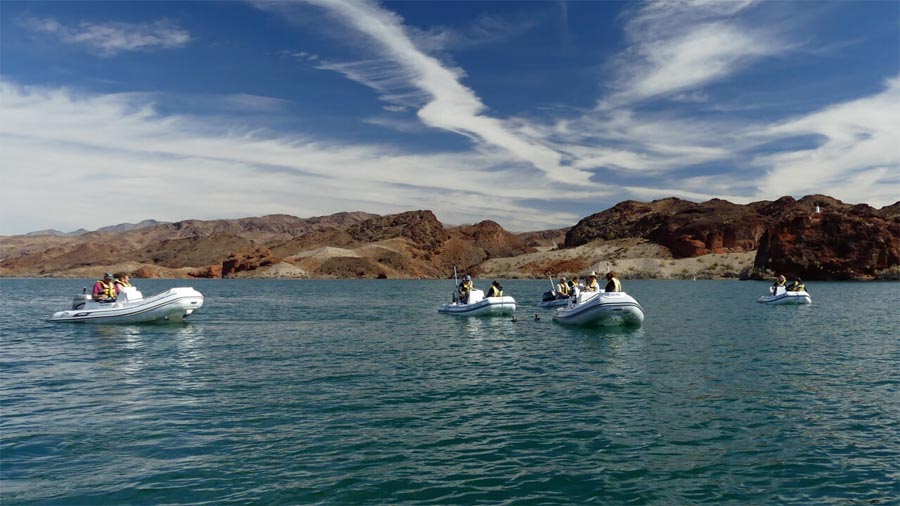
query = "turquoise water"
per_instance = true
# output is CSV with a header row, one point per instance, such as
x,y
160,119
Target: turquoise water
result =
x,y
359,392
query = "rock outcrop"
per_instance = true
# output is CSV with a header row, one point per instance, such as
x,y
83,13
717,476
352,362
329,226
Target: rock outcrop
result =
x,y
248,261
715,226
685,228
625,220
420,227
839,242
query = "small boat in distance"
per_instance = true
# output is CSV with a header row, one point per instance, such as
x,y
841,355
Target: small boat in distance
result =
x,y
602,309
478,305
779,295
173,305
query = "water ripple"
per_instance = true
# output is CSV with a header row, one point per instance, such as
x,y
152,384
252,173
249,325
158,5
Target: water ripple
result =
x,y
287,392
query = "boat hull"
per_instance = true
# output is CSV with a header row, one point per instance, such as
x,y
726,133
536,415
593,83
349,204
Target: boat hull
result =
x,y
602,310
171,306
490,306
786,298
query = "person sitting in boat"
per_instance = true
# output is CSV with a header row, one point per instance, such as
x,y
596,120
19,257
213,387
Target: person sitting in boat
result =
x,y
613,284
465,286
797,286
562,289
104,289
591,284
122,281
496,290
574,286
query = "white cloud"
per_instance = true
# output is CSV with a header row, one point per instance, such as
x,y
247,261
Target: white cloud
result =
x,y
112,38
858,160
676,47
83,149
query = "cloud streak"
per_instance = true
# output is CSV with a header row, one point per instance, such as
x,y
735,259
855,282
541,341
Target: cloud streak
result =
x,y
448,104
680,46
113,38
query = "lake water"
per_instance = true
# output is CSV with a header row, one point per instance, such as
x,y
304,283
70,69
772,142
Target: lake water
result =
x,y
359,392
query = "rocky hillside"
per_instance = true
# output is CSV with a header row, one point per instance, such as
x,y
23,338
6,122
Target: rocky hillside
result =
x,y
840,241
665,238
345,245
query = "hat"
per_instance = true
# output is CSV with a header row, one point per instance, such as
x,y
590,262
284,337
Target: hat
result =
x,y
107,275
467,278
593,273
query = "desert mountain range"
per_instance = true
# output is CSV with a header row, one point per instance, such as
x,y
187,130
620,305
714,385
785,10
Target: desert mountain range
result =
x,y
816,237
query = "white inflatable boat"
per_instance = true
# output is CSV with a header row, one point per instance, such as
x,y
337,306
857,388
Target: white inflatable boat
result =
x,y
601,309
130,306
780,295
479,305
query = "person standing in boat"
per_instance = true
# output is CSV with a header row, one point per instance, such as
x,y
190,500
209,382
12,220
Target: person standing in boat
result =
x,y
496,290
780,281
613,284
591,284
105,289
465,286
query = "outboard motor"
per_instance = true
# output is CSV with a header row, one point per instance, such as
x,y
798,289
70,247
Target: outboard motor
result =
x,y
80,300
548,296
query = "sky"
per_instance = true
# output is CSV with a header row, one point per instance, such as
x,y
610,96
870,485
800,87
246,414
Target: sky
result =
x,y
532,114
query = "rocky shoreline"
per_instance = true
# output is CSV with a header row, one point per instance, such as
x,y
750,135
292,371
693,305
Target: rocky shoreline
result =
x,y
816,237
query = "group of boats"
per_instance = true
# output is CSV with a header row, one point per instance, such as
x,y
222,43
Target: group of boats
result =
x,y
604,309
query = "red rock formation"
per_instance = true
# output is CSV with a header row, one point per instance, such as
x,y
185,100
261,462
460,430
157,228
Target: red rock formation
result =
x,y
625,219
146,272
685,228
248,261
841,242
470,245
210,272
716,226
421,227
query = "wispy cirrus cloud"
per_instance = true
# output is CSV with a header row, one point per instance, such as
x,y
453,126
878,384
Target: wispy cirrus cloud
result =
x,y
113,38
676,47
405,74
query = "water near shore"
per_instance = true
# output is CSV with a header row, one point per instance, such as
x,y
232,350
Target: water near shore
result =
x,y
286,392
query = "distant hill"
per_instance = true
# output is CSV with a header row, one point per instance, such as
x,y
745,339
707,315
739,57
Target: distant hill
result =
x,y
122,227
125,227
641,239
57,233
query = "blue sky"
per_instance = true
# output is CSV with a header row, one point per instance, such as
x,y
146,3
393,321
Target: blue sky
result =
x,y
532,114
